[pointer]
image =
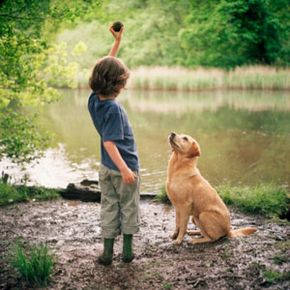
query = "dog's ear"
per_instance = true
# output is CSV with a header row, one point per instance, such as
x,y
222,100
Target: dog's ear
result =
x,y
194,151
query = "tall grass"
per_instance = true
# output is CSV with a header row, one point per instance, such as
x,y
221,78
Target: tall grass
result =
x,y
35,265
265,199
183,79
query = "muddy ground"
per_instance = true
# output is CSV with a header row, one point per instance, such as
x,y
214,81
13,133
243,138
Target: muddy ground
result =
x,y
71,230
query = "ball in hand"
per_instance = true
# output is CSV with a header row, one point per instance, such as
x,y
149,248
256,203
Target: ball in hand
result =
x,y
117,25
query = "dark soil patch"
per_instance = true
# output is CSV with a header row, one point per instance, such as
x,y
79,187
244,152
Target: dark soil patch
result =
x,y
71,229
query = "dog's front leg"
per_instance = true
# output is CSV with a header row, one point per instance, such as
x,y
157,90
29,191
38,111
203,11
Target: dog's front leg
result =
x,y
183,221
177,222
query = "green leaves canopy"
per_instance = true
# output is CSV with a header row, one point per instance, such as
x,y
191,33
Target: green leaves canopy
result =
x,y
27,28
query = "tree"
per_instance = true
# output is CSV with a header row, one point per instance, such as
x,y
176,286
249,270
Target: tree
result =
x,y
27,28
230,33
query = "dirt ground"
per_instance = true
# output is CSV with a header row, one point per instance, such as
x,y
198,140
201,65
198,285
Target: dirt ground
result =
x,y
71,230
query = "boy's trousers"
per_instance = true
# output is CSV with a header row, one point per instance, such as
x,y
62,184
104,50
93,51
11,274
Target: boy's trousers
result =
x,y
119,204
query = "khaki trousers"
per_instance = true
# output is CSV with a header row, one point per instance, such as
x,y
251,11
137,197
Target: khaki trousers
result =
x,y
119,204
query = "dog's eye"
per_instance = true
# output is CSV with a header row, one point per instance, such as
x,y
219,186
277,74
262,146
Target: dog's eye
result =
x,y
185,138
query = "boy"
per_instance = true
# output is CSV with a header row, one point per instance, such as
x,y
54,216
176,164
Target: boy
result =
x,y
119,178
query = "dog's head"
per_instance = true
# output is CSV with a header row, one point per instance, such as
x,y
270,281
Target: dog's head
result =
x,y
184,145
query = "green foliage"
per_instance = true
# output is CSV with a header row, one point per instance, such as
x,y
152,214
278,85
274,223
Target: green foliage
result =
x,y
265,199
233,33
29,63
12,194
24,138
190,33
34,264
151,32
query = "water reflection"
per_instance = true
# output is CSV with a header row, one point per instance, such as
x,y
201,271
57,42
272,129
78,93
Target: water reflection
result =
x,y
244,136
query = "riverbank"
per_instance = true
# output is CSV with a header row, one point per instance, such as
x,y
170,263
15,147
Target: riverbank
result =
x,y
71,229
268,200
182,79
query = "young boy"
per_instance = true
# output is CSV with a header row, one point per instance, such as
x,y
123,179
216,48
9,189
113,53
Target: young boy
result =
x,y
119,178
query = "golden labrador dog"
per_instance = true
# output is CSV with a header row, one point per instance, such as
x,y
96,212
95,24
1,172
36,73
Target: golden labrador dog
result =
x,y
192,195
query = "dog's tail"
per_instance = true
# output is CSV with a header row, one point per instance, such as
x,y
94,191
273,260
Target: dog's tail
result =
x,y
241,232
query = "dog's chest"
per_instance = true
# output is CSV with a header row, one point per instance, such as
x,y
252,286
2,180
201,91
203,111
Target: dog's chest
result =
x,y
176,188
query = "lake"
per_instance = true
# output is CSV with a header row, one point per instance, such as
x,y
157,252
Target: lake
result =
x,y
244,136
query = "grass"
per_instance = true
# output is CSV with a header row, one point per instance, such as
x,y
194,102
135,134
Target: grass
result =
x,y
34,264
266,199
279,259
273,277
183,79
162,196
12,194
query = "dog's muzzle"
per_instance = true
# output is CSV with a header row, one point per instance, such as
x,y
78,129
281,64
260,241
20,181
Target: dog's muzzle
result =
x,y
172,136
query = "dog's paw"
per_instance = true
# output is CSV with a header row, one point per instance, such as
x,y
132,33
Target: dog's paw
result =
x,y
177,242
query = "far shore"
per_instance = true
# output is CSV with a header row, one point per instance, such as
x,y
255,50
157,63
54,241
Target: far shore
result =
x,y
200,79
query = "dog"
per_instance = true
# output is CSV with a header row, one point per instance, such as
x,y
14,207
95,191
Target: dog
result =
x,y
192,195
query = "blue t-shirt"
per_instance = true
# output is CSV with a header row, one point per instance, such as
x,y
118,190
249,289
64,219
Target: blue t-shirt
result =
x,y
111,122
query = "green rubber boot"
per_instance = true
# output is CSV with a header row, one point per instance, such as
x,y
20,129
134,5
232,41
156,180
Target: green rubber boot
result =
x,y
128,255
107,256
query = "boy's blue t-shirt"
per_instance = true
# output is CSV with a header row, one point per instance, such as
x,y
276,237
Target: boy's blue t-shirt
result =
x,y
112,124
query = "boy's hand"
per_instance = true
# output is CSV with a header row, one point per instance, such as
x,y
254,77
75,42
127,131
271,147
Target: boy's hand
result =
x,y
128,176
117,35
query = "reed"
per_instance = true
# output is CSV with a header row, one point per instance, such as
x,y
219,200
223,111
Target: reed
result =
x,y
183,79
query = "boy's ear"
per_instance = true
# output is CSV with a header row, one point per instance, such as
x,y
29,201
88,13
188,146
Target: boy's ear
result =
x,y
194,151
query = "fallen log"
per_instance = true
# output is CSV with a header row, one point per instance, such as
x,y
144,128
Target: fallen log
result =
x,y
89,190
86,190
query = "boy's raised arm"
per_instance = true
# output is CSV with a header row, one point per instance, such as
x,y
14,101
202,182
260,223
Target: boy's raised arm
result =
x,y
116,44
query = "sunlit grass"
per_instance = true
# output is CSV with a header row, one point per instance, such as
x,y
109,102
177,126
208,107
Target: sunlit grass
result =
x,y
251,77
265,199
258,77
184,79
35,264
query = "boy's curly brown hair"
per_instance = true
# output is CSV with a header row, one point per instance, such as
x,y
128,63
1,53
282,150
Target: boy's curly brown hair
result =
x,y
109,76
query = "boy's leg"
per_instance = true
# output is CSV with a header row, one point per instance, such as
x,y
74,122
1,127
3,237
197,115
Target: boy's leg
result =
x,y
129,207
128,255
110,215
107,256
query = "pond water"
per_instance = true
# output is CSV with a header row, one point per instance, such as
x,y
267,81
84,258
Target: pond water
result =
x,y
244,136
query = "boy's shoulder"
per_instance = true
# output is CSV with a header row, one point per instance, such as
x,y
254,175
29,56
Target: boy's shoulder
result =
x,y
112,106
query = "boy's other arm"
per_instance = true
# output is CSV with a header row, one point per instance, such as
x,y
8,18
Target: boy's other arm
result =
x,y
116,44
127,174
